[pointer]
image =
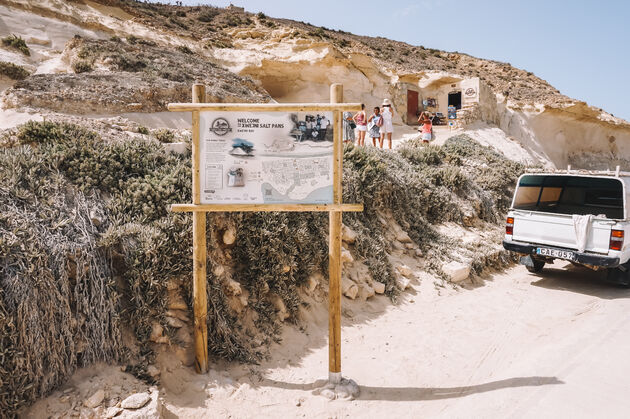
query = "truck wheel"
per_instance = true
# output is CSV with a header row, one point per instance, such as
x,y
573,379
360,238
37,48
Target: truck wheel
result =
x,y
619,276
538,265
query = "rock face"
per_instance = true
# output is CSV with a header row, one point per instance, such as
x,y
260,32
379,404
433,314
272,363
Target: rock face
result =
x,y
141,77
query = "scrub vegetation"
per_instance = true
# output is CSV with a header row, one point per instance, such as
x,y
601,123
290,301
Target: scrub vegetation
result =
x,y
13,71
16,43
88,248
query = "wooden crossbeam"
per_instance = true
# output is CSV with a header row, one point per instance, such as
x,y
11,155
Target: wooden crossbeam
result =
x,y
266,207
265,107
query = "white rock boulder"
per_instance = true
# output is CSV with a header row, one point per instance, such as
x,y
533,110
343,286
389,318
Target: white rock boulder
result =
x,y
136,401
349,288
379,287
456,271
346,256
404,270
403,283
403,237
348,235
95,399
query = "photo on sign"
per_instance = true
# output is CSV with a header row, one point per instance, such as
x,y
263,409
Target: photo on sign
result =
x,y
266,157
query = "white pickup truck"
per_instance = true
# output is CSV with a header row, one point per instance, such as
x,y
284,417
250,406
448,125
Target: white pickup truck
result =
x,y
578,216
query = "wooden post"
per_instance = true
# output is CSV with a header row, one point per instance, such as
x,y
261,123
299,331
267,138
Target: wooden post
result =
x,y
200,300
334,246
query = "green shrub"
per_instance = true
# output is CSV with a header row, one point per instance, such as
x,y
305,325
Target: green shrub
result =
x,y
81,66
177,22
143,130
48,133
319,33
132,39
126,62
60,265
220,43
343,43
419,153
13,71
184,49
207,15
164,135
17,43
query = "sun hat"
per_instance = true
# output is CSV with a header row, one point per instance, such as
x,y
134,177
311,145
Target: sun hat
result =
x,y
386,102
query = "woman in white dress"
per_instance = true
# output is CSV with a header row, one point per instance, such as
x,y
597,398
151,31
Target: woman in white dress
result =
x,y
388,127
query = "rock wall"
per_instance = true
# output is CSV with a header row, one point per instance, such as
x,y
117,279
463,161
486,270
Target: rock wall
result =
x,y
294,63
575,135
295,70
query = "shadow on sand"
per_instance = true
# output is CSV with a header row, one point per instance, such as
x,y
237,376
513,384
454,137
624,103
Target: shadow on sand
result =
x,y
580,280
421,393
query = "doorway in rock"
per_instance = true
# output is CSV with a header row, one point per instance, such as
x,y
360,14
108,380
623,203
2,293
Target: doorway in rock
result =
x,y
455,99
412,107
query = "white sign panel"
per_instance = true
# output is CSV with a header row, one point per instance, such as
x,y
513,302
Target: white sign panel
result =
x,y
266,158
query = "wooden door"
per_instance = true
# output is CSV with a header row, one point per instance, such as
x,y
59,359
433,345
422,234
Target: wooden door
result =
x,y
412,107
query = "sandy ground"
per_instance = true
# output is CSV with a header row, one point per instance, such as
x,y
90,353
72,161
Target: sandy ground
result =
x,y
553,345
521,345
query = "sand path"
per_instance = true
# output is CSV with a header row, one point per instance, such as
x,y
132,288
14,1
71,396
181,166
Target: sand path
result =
x,y
522,345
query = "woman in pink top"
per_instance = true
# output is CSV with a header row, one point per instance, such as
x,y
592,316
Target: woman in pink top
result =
x,y
360,119
427,127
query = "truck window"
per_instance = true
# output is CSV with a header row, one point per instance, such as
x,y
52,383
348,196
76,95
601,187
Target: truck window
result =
x,y
571,195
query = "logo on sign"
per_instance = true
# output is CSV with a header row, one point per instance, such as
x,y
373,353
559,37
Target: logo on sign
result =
x,y
220,126
470,92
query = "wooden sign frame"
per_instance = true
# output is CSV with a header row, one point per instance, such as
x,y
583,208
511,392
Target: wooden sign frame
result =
x,y
335,211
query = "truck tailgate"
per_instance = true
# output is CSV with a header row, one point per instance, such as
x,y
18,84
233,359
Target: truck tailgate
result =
x,y
557,230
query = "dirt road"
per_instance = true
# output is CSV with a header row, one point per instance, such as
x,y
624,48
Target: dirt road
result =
x,y
521,345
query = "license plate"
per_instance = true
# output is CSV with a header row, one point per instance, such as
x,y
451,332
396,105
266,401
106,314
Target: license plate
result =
x,y
555,253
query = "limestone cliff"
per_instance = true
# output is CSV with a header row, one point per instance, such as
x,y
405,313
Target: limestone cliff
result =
x,y
291,61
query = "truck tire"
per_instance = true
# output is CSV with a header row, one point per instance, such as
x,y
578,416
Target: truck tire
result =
x,y
537,267
619,276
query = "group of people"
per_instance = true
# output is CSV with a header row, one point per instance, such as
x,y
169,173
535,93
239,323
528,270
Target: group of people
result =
x,y
313,128
377,126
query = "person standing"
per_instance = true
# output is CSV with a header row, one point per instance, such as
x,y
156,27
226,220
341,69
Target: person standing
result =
x,y
348,127
388,127
361,120
375,121
323,123
427,127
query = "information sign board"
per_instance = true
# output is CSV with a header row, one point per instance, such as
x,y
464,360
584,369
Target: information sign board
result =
x,y
266,157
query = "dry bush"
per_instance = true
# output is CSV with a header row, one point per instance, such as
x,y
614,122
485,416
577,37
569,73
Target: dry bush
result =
x,y
17,43
13,71
87,244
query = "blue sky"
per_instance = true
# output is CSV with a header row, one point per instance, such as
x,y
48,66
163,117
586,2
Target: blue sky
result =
x,y
581,47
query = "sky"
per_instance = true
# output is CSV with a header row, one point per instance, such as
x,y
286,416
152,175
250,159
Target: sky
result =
x,y
580,47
